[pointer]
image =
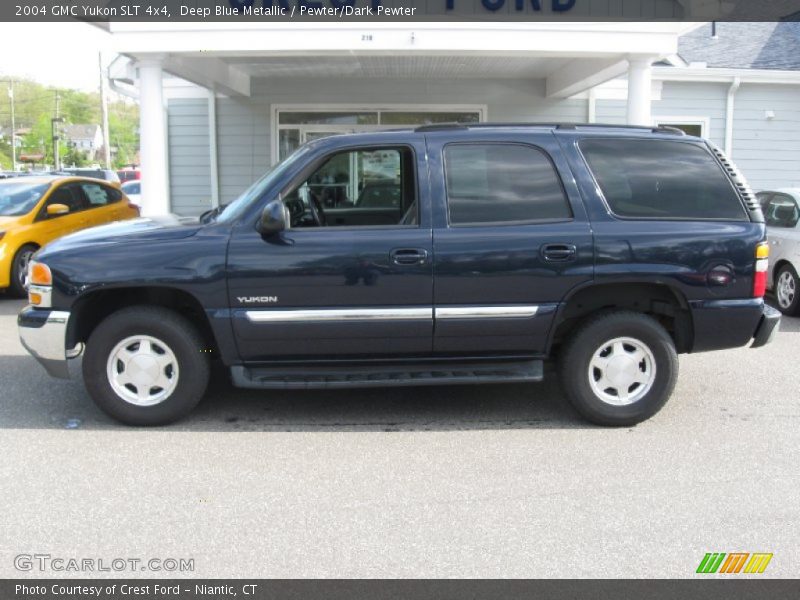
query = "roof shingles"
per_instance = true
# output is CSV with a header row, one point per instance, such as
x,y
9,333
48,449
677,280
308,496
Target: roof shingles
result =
x,y
744,45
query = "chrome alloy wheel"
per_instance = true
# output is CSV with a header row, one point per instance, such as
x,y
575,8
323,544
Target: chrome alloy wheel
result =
x,y
622,371
786,289
142,370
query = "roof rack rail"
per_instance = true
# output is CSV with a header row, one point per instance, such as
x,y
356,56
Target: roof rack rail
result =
x,y
657,129
440,127
668,129
567,126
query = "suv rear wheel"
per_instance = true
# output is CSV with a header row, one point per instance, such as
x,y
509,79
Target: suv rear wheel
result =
x,y
145,366
787,290
619,368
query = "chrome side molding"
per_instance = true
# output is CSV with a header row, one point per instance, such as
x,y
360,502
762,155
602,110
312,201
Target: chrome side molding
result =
x,y
485,312
346,314
390,314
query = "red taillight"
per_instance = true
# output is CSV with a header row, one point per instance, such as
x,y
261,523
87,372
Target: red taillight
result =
x,y
760,274
759,284
136,207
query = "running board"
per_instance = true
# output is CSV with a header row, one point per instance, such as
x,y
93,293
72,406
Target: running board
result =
x,y
359,376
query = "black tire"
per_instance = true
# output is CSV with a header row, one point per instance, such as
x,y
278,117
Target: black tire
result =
x,y
792,307
589,338
169,329
18,273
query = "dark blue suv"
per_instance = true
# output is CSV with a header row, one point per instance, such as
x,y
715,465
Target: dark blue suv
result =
x,y
441,255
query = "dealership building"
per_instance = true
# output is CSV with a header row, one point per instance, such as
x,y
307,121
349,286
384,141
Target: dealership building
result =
x,y
222,102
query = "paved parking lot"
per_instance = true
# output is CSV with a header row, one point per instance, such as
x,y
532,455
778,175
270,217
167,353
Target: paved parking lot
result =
x,y
494,481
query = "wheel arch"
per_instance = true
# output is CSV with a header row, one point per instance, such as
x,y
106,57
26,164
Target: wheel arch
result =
x,y
667,304
91,309
779,265
13,256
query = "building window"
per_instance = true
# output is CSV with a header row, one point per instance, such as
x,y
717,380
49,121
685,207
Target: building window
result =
x,y
296,127
697,126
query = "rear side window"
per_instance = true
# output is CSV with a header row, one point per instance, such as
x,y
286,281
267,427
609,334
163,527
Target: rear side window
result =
x,y
502,183
99,195
660,179
782,211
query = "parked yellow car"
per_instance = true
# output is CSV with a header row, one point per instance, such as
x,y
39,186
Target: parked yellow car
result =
x,y
37,210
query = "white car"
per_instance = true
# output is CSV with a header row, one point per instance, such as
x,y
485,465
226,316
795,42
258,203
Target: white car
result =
x,y
133,190
782,214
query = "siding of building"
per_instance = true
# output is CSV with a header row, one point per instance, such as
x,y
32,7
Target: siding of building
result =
x,y
189,155
767,151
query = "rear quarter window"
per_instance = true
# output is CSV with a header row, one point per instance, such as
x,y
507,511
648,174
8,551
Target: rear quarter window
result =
x,y
661,179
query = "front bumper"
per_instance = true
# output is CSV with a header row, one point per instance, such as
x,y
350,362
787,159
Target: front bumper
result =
x,y
767,327
43,332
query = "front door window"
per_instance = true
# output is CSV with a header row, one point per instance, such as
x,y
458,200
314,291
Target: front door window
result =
x,y
365,187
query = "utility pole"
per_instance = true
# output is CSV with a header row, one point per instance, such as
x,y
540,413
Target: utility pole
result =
x,y
104,112
55,133
13,127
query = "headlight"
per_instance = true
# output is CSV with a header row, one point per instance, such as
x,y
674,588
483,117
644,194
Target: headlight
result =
x,y
40,281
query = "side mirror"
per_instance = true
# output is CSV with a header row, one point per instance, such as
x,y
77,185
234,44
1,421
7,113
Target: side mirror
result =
x,y
274,218
57,209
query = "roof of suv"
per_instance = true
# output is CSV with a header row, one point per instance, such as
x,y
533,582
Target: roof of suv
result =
x,y
401,134
550,126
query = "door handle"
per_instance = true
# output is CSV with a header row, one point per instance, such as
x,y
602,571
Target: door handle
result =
x,y
409,256
559,252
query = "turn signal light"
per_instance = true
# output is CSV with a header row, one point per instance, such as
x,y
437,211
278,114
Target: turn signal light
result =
x,y
34,298
39,274
760,275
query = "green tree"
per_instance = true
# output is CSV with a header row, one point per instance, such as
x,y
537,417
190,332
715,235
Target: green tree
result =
x,y
74,158
123,125
35,106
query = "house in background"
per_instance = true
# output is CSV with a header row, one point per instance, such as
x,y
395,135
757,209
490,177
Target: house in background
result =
x,y
21,132
85,138
213,121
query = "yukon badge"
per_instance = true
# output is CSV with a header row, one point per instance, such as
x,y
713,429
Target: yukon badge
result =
x,y
256,299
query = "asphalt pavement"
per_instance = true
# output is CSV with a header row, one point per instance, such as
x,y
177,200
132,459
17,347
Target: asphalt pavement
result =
x,y
486,481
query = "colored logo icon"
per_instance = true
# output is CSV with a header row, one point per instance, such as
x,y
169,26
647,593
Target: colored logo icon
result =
x,y
734,562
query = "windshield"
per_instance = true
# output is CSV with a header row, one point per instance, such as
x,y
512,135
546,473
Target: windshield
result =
x,y
236,208
18,198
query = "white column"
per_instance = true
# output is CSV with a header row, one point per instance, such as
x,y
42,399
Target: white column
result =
x,y
640,81
153,138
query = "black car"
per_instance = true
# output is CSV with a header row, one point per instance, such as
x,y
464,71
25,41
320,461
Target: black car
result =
x,y
494,248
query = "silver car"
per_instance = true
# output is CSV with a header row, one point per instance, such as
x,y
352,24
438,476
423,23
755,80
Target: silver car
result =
x,y
782,214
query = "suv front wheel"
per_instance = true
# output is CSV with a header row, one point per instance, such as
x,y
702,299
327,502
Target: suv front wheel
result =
x,y
619,368
145,365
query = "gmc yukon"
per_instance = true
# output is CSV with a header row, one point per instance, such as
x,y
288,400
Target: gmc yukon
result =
x,y
452,254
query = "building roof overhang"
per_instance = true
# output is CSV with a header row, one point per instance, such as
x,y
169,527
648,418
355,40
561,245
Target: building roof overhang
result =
x,y
570,56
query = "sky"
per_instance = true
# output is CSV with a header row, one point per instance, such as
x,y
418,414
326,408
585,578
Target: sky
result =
x,y
59,54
